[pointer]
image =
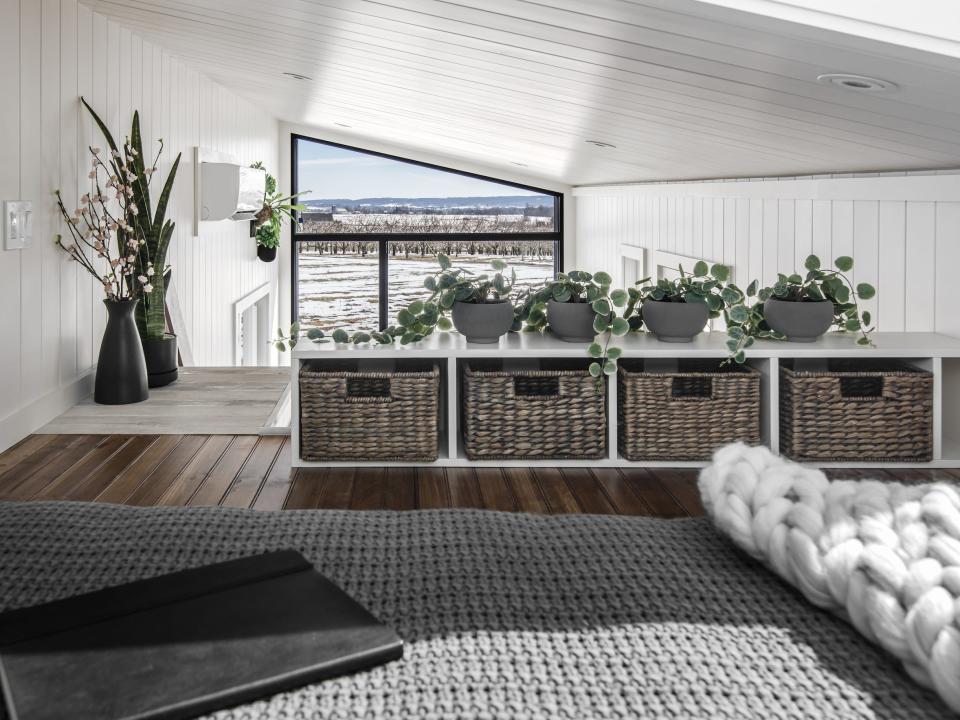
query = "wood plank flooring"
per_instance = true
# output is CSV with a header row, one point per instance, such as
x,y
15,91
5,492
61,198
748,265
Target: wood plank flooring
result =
x,y
251,471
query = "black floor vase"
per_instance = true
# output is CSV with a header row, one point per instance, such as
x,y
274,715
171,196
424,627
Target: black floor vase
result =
x,y
121,370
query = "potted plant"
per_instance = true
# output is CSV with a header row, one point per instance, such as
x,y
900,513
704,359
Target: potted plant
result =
x,y
565,305
676,310
109,243
268,221
146,235
804,308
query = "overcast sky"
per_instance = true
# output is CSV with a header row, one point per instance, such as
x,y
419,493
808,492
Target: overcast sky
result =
x,y
332,172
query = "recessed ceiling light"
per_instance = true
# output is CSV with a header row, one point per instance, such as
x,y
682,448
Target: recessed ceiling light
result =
x,y
857,83
601,144
297,76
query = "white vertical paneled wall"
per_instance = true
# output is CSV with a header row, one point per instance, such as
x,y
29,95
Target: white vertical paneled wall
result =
x,y
903,231
51,315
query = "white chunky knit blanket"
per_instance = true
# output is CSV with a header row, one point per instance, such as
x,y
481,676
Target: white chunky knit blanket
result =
x,y
885,556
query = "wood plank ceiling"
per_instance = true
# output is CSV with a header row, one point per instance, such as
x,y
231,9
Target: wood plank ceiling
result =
x,y
683,89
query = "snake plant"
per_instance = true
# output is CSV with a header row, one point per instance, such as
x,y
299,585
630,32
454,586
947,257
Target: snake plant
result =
x,y
151,230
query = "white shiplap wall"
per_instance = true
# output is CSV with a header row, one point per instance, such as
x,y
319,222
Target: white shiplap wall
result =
x,y
51,316
903,231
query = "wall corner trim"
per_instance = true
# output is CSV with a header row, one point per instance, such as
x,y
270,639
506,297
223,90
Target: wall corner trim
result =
x,y
33,416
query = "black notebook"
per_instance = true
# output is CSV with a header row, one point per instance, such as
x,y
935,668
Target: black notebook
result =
x,y
187,643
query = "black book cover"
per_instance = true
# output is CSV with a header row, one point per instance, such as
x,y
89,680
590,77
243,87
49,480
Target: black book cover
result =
x,y
187,643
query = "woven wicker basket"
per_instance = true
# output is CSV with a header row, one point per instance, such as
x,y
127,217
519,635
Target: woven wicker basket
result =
x,y
687,414
351,414
856,411
555,412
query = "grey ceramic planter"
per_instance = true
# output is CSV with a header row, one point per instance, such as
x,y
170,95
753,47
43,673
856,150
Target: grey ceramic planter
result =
x,y
799,321
483,322
675,322
571,321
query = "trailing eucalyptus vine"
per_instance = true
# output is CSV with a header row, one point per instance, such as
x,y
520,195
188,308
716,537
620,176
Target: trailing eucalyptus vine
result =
x,y
747,323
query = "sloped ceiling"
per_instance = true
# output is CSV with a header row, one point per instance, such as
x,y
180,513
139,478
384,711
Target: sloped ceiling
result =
x,y
683,89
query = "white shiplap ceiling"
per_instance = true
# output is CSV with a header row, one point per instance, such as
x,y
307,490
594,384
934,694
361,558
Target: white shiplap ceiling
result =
x,y
684,89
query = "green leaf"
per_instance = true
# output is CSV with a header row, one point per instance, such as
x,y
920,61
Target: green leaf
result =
x,y
619,298
733,344
619,327
340,336
444,324
700,268
595,350
851,325
844,263
739,314
416,307
752,288
280,346
795,279
315,334
735,332
865,291
447,299
863,341
361,337
406,318
614,353
444,261
600,324
764,294
601,307
842,294
731,295
498,264
595,370
561,294
866,318
609,368
740,358
602,278
720,272
812,262
430,283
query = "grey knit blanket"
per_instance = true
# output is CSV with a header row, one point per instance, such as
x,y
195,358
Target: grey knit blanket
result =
x,y
504,615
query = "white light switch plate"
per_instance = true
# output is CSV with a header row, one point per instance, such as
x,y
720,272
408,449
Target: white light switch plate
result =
x,y
17,224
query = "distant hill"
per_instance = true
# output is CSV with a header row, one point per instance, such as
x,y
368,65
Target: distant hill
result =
x,y
500,201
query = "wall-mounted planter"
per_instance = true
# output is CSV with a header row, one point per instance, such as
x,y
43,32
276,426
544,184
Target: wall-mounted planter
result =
x,y
675,322
266,254
483,322
799,321
571,321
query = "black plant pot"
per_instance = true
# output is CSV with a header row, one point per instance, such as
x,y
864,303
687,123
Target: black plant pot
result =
x,y
121,368
801,322
675,322
161,356
483,322
571,321
267,254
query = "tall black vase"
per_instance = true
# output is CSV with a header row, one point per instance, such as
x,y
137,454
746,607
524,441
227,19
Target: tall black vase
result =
x,y
121,369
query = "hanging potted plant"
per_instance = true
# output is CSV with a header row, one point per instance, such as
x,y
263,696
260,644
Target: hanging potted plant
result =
x,y
804,308
267,223
130,177
677,310
108,242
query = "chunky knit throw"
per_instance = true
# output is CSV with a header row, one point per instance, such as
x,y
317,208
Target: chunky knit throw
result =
x,y
886,556
504,615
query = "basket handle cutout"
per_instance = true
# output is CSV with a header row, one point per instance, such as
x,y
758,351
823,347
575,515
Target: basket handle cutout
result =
x,y
368,390
535,387
691,388
861,388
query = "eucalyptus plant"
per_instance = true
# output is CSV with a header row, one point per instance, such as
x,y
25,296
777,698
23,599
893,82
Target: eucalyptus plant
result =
x,y
706,284
147,232
747,323
584,287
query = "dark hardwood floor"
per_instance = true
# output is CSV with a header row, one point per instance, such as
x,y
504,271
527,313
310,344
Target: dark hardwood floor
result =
x,y
251,471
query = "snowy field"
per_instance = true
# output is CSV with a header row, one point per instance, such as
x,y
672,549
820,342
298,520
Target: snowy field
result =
x,y
412,223
340,291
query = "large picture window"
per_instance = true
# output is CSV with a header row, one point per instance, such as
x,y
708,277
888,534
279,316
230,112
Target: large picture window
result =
x,y
374,224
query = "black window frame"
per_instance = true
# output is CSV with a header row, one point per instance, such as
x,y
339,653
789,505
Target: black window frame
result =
x,y
383,295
